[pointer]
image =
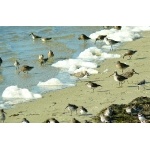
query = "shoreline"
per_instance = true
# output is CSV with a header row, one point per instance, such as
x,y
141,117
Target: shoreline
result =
x,y
53,103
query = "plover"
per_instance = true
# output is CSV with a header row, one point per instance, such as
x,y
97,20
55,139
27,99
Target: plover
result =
x,y
25,69
71,108
35,36
118,78
83,37
129,74
50,54
104,119
108,112
45,39
121,66
129,53
141,83
92,85
16,64
83,111
100,37
110,42
142,118
1,61
74,120
3,117
24,120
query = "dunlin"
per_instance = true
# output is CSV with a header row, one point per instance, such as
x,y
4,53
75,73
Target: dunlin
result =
x,y
45,39
35,36
100,37
121,66
92,85
1,61
110,42
83,111
16,64
141,83
108,112
129,53
74,120
71,108
25,69
119,78
142,118
3,117
83,37
24,120
50,54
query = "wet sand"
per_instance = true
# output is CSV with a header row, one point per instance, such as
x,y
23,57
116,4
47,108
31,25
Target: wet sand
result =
x,y
53,103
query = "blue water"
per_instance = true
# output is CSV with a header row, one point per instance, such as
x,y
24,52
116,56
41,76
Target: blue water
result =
x,y
15,43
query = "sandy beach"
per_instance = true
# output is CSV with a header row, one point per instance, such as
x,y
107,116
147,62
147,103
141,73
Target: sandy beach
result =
x,y
53,103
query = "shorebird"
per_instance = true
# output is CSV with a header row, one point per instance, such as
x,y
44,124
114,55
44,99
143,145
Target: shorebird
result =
x,y
35,36
92,85
71,108
142,118
16,64
86,121
83,110
83,37
52,120
118,27
100,37
80,74
3,117
45,39
121,66
108,112
24,120
129,74
110,42
50,54
25,69
130,110
129,53
41,56
104,119
75,121
43,61
141,83
118,78
1,61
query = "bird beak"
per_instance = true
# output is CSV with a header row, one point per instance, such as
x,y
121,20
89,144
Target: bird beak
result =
x,y
136,73
111,75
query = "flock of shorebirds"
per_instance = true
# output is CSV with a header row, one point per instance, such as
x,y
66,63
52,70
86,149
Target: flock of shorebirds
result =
x,y
117,77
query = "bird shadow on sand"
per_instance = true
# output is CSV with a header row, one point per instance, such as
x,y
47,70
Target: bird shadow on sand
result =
x,y
103,91
86,115
141,58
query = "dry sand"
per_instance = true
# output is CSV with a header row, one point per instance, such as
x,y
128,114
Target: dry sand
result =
x,y
53,103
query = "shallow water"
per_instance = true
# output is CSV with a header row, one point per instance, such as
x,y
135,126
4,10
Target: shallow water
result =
x,y
16,44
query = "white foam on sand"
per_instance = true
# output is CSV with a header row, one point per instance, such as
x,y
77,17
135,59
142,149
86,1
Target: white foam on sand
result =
x,y
13,92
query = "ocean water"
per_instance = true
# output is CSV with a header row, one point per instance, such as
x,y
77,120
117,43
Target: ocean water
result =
x,y
71,55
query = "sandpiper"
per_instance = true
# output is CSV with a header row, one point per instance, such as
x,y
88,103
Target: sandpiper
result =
x,y
83,37
129,53
129,74
71,108
142,118
83,111
45,39
1,61
50,54
108,112
104,119
141,83
118,27
16,64
130,110
92,85
121,66
74,120
41,56
118,78
80,74
110,42
3,117
43,61
100,37
24,120
25,69
52,120
34,36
